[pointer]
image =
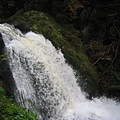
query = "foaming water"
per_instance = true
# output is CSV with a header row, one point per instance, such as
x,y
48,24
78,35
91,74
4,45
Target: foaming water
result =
x,y
46,84
96,109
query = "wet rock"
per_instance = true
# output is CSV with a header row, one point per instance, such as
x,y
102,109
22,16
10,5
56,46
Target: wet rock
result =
x,y
23,27
2,45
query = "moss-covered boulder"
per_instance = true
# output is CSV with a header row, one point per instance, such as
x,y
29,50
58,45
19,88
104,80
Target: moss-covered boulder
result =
x,y
65,38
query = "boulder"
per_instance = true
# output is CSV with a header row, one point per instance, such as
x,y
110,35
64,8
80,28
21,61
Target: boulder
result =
x,y
67,39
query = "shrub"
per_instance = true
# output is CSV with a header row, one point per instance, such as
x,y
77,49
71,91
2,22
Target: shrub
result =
x,y
11,111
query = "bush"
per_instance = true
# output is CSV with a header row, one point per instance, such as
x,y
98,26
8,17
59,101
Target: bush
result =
x,y
11,111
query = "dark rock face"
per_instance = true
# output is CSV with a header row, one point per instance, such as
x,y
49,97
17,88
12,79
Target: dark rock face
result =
x,y
22,26
1,44
6,79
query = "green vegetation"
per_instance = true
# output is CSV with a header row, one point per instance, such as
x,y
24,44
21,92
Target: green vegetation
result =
x,y
11,111
3,57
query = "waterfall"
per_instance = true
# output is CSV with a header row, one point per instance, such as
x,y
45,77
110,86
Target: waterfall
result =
x,y
46,84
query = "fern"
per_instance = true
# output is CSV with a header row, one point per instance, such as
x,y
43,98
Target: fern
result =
x,y
3,57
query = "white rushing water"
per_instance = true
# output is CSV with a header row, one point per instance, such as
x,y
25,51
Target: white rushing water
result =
x,y
47,84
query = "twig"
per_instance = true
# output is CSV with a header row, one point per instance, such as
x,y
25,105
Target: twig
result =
x,y
98,59
118,43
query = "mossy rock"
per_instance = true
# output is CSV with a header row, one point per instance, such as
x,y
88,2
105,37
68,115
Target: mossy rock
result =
x,y
64,38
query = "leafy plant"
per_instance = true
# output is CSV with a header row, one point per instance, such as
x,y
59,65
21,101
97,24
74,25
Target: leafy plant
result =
x,y
11,111
3,57
72,7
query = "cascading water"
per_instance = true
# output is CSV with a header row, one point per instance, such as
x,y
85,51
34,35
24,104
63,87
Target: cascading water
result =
x,y
46,83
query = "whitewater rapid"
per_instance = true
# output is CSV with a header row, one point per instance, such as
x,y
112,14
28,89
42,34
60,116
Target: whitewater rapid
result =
x,y
46,83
